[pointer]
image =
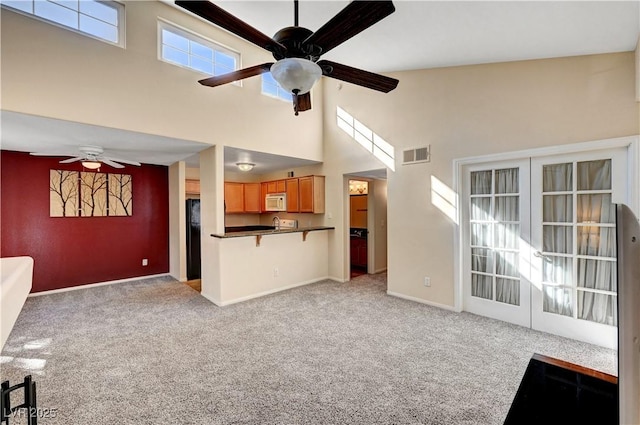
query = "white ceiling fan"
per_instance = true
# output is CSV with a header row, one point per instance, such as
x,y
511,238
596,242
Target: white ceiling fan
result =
x,y
91,157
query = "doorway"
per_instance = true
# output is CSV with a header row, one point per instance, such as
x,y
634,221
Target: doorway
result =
x,y
538,240
358,227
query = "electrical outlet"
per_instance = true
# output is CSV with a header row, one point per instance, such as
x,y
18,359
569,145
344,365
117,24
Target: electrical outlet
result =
x,y
427,281
145,262
276,272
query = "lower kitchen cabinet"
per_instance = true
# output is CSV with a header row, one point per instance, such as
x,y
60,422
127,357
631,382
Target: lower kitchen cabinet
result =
x,y
359,252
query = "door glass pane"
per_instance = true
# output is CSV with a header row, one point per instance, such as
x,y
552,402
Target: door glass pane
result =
x,y
597,274
596,208
557,270
507,236
508,291
482,286
481,209
481,182
599,308
480,234
556,300
557,177
507,263
597,241
557,239
557,208
507,181
594,175
482,260
507,208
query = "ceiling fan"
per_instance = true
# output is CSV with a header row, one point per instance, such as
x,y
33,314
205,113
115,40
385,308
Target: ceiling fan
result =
x,y
297,50
91,156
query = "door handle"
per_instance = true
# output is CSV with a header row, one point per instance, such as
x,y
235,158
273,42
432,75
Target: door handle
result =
x,y
541,255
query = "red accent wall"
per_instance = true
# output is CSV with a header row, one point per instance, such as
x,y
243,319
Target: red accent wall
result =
x,y
72,251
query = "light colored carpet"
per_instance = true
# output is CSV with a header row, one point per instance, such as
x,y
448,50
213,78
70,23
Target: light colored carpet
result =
x,y
156,352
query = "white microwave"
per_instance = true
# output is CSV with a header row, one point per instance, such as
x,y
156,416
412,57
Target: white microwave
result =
x,y
275,202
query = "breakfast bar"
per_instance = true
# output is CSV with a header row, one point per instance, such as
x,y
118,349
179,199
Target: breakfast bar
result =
x,y
253,261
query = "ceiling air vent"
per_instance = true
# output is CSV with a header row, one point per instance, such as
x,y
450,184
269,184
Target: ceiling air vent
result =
x,y
416,155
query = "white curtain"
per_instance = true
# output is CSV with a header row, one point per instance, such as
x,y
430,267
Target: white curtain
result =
x,y
498,230
592,240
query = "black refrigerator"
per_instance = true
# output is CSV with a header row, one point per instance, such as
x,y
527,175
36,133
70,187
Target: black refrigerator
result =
x,y
193,239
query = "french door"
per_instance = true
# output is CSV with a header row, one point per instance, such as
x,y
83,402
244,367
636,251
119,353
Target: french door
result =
x,y
497,280
540,242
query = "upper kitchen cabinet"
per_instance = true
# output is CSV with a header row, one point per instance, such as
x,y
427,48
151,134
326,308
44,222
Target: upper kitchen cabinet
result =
x,y
242,198
234,197
293,198
276,186
311,191
252,198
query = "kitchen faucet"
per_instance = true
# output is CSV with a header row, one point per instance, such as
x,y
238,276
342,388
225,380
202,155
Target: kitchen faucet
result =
x,y
276,222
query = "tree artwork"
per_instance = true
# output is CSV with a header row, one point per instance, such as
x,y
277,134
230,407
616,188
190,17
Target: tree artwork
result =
x,y
120,195
93,194
89,194
63,191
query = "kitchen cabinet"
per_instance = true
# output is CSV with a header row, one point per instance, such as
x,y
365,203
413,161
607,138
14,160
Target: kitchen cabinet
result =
x,y
311,194
252,198
192,187
242,198
358,252
234,197
276,186
292,190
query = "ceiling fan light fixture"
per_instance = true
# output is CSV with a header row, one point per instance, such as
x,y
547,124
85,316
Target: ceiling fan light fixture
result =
x,y
296,74
245,166
91,165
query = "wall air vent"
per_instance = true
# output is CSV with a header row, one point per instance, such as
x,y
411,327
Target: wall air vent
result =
x,y
416,155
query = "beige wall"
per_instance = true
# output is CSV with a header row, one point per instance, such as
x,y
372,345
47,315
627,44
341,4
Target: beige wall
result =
x,y
462,112
57,73
177,218
378,224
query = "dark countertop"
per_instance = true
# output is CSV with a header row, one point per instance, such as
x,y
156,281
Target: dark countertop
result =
x,y
271,232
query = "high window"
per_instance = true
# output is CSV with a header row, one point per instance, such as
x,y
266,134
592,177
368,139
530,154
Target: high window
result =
x,y
99,19
183,48
270,87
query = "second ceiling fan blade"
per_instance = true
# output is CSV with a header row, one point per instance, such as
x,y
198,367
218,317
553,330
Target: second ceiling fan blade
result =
x,y
356,17
241,74
224,19
124,161
70,160
111,163
358,76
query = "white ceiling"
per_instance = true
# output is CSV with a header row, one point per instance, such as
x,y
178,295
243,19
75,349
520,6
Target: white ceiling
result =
x,y
420,34
429,34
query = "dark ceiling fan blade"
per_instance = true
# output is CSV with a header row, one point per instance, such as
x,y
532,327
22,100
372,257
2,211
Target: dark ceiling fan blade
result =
x,y
224,19
241,74
358,76
353,19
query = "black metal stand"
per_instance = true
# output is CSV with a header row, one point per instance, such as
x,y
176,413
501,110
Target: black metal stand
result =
x,y
6,411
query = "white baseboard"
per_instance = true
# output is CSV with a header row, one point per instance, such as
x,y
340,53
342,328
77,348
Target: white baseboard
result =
x,y
211,298
384,269
262,294
93,285
421,301
337,279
